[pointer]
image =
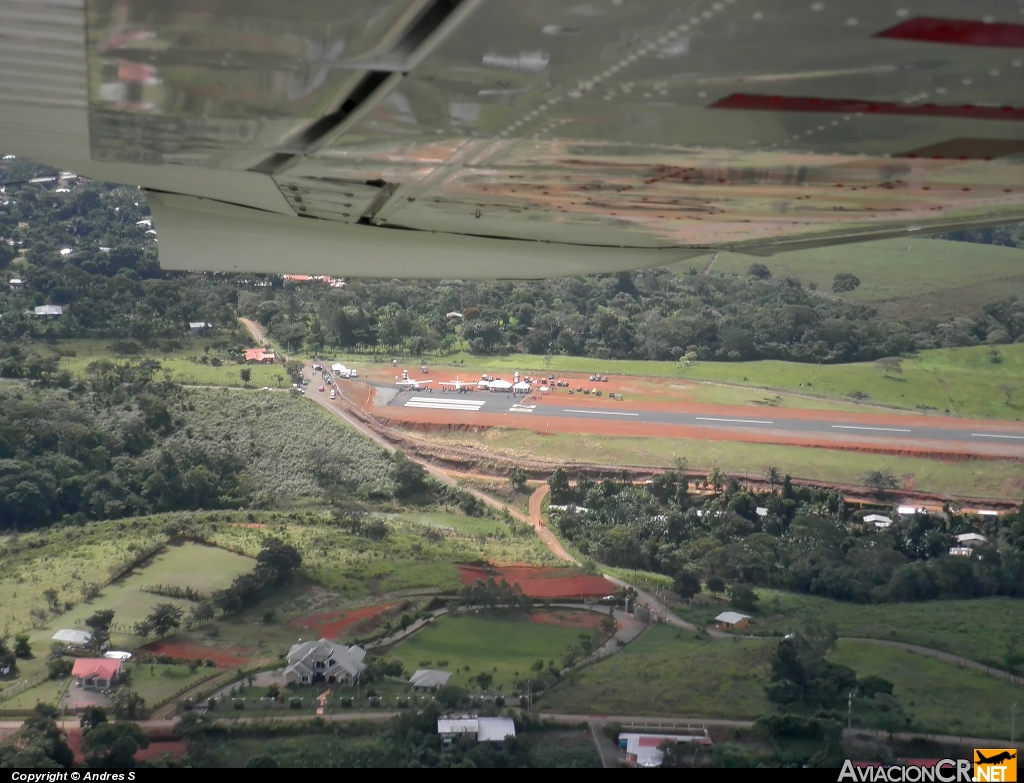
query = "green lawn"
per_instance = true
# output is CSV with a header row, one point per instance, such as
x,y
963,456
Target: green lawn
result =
x,y
934,278
156,682
670,673
506,648
995,479
46,693
977,629
936,697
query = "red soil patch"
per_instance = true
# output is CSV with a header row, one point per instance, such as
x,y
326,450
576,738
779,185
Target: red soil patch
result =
x,y
327,625
542,582
225,657
568,619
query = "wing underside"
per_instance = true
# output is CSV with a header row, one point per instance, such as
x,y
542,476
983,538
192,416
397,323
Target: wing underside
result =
x,y
448,138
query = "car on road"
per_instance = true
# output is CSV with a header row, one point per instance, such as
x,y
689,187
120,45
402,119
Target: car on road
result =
x,y
266,388
579,388
333,395
318,366
321,388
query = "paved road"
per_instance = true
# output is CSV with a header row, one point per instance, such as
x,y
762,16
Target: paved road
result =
x,y
839,426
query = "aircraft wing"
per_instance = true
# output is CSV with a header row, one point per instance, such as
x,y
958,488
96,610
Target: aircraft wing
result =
x,y
527,139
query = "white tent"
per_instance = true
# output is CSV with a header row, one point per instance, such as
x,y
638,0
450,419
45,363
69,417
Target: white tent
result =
x,y
339,368
499,385
521,386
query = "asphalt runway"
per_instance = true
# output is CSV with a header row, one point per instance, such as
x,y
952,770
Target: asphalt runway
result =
x,y
839,425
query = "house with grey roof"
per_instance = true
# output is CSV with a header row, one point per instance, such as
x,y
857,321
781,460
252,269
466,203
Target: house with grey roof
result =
x,y
323,661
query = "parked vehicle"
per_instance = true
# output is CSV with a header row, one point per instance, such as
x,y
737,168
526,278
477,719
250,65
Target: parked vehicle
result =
x,y
321,388
333,395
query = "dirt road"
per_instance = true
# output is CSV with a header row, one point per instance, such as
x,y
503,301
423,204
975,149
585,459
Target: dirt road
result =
x,y
254,329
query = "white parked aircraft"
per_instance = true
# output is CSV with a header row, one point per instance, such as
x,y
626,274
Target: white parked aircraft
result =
x,y
527,139
412,385
457,385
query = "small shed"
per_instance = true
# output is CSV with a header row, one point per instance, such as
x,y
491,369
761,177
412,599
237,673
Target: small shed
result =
x,y
72,636
454,315
16,283
961,551
971,539
428,679
732,620
197,326
879,520
49,311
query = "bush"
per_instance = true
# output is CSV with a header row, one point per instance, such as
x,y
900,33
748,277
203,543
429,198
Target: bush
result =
x,y
295,703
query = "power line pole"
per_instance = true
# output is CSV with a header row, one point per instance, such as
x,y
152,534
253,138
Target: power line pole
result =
x,y
849,711
1013,722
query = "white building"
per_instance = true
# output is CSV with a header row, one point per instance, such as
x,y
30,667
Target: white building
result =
x,y
428,679
484,729
49,311
644,750
971,539
71,636
879,520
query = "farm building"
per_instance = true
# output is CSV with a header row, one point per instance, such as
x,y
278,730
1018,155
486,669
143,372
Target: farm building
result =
x,y
16,283
971,539
428,679
732,620
484,729
761,511
644,750
197,326
72,636
49,311
323,661
259,356
96,673
880,521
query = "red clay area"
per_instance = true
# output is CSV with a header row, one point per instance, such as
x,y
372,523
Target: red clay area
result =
x,y
327,625
568,619
225,657
542,582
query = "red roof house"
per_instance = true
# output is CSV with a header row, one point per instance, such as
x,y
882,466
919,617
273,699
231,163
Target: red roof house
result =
x,y
97,673
259,355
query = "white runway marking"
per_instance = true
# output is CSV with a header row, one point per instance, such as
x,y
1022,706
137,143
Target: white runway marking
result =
x,y
517,408
735,421
989,435
444,405
875,429
601,413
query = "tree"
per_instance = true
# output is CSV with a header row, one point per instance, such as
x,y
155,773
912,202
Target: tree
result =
x,y
759,271
716,478
39,742
91,718
844,281
743,597
126,704
7,656
52,599
559,483
881,480
282,558
22,649
1008,389
772,476
686,584
99,626
114,745
410,477
890,364
716,584
517,477
201,613
246,375
164,618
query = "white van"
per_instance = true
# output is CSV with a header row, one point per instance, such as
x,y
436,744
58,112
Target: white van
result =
x,y
333,394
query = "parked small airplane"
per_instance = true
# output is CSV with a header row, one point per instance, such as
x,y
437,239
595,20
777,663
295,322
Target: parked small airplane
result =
x,y
458,385
410,385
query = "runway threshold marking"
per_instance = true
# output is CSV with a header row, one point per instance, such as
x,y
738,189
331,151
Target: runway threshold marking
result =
x,y
874,429
735,421
991,435
600,413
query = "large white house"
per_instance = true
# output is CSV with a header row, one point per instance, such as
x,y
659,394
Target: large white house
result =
x,y
323,661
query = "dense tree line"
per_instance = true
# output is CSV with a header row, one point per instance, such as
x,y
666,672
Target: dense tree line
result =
x,y
808,541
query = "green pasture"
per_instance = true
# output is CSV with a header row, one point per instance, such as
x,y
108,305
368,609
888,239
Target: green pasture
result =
x,y
183,364
994,479
979,629
506,648
907,277
667,672
935,696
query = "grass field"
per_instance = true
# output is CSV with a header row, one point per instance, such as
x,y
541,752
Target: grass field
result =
x,y
666,672
936,696
934,278
995,479
471,645
976,629
183,364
